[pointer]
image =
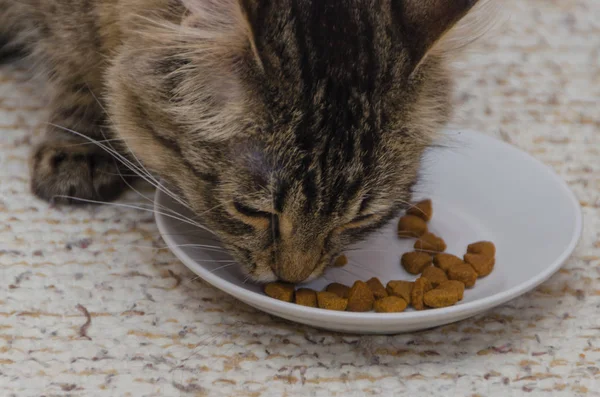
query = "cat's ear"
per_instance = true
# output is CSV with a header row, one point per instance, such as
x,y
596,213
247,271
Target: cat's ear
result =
x,y
226,22
425,22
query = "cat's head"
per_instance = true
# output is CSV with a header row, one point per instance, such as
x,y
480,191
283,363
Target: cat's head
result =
x,y
291,127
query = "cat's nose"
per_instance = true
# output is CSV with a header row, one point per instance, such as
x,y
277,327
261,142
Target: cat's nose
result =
x,y
295,268
296,255
293,274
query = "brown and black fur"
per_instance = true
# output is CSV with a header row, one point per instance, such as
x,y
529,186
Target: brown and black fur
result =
x,y
292,127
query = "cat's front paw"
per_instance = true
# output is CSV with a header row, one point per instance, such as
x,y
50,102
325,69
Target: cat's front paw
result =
x,y
63,172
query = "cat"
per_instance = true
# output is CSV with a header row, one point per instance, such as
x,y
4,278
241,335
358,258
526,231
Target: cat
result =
x,y
293,128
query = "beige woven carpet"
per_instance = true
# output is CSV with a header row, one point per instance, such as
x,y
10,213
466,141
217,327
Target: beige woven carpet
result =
x,y
152,331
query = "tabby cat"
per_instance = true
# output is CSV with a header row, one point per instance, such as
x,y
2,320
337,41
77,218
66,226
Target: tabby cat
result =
x,y
292,127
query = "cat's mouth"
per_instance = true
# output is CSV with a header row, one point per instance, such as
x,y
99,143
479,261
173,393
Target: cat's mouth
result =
x,y
271,271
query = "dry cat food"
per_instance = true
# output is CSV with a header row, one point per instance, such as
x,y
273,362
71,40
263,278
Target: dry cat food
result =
x,y
306,297
450,274
455,286
411,226
340,261
331,301
377,288
440,297
281,291
442,279
434,274
446,261
340,290
390,304
481,256
422,209
430,242
483,265
421,286
486,248
463,273
401,289
415,262
360,298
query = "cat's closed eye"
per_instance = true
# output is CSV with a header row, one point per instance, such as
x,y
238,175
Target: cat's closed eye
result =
x,y
252,216
249,211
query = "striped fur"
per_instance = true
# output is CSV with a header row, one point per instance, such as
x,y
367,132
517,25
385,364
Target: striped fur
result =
x,y
292,127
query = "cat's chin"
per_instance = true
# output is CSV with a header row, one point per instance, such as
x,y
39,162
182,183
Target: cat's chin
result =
x,y
262,278
313,277
270,277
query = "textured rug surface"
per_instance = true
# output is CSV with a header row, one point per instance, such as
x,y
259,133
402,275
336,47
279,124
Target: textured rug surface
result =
x,y
91,305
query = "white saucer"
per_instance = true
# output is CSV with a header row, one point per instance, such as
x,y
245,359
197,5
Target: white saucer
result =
x,y
482,189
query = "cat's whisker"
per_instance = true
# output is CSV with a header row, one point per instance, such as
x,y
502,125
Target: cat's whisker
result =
x,y
148,178
356,263
213,208
94,143
204,247
126,162
223,267
185,220
217,241
411,206
189,245
213,247
161,206
121,174
188,233
154,182
214,270
428,251
351,273
147,173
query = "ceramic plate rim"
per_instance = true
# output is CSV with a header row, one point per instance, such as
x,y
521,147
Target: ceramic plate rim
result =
x,y
388,318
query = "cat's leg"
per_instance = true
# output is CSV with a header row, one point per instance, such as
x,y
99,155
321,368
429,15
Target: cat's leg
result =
x,y
66,166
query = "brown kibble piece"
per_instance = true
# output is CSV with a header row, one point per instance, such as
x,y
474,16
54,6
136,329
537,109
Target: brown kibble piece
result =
x,y
420,288
430,242
415,262
464,273
435,275
411,226
360,298
400,288
390,304
340,261
282,291
446,261
331,301
306,297
455,285
340,290
423,209
440,298
481,263
377,288
486,248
